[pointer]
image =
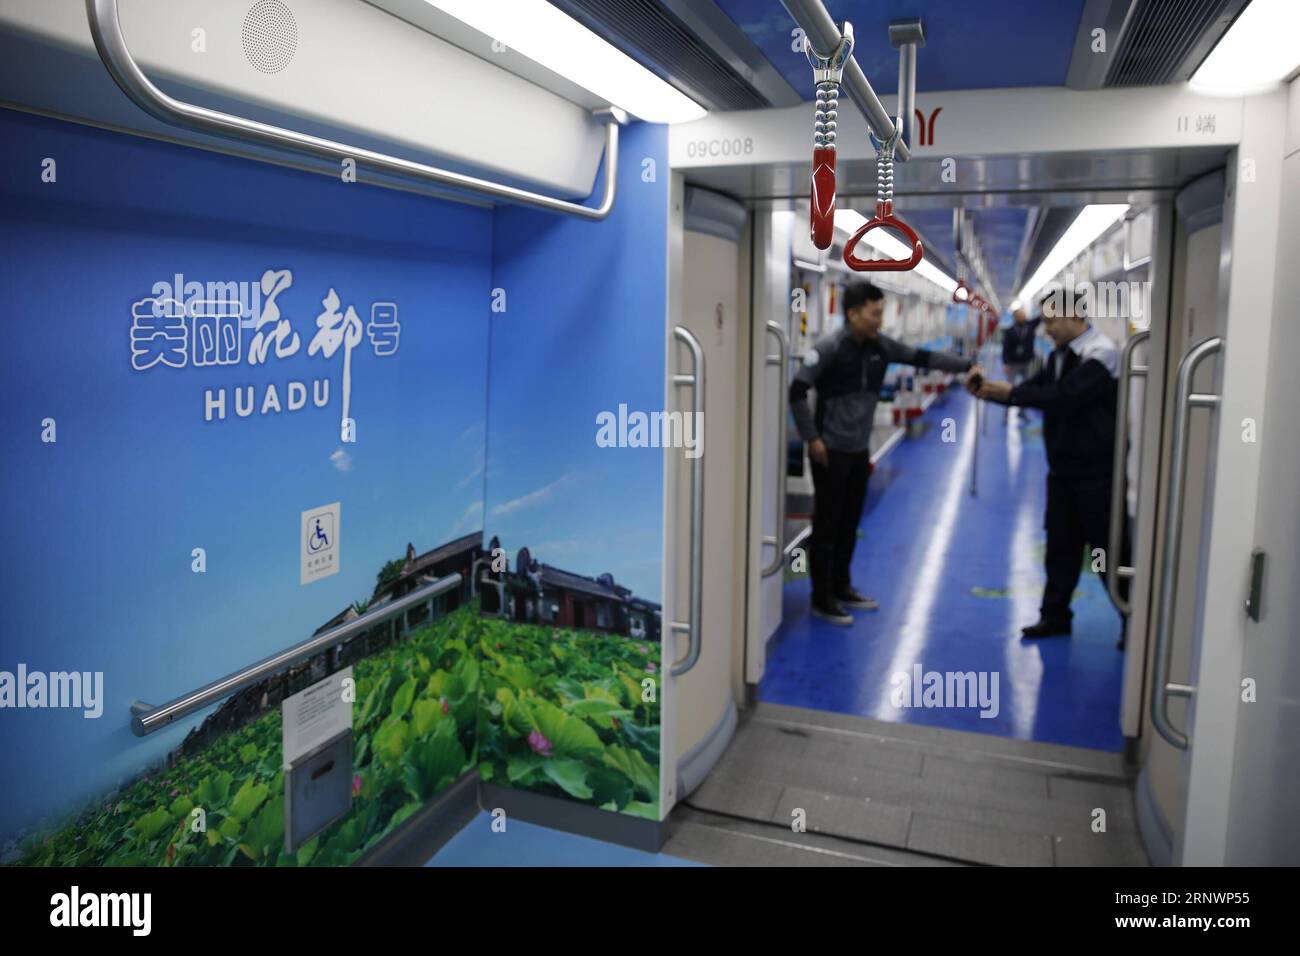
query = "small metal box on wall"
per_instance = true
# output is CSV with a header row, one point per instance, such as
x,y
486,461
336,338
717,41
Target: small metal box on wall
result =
x,y
317,790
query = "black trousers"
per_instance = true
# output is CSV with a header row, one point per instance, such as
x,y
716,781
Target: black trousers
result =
x,y
1078,515
839,490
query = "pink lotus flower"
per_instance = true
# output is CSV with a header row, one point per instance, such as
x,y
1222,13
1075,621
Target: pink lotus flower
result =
x,y
537,740
650,667
446,707
356,784
176,793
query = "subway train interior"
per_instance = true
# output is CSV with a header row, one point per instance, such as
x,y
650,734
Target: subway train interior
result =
x,y
768,432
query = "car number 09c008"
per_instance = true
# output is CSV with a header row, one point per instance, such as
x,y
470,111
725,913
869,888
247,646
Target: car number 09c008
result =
x,y
700,148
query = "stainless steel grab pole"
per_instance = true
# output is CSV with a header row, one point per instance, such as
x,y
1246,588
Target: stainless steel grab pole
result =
x,y
907,91
106,29
781,360
1118,482
1184,401
905,36
691,628
145,718
817,25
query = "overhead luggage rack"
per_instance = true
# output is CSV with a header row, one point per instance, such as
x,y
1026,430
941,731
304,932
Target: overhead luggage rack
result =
x,y
106,29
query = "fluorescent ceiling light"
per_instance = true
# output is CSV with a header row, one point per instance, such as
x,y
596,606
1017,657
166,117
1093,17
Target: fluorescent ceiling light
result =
x,y
1258,52
546,36
847,220
1083,232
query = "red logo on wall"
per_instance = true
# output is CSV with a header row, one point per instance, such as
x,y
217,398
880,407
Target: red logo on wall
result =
x,y
924,130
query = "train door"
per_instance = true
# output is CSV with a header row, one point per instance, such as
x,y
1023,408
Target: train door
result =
x,y
708,483
1194,317
1203,660
769,375
1265,778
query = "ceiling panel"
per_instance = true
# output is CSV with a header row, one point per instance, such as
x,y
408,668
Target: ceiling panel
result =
x,y
969,45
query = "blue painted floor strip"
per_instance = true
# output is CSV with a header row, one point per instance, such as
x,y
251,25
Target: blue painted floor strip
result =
x,y
957,577
526,844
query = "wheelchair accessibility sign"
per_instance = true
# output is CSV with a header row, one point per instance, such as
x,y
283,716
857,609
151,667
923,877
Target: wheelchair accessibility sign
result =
x,y
319,543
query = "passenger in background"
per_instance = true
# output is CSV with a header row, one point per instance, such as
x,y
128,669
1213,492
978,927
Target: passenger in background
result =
x,y
1018,349
847,367
1076,390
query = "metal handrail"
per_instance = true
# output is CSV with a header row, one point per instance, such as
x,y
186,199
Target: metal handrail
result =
x,y
691,627
824,35
146,718
781,361
1118,482
1184,400
106,29
804,534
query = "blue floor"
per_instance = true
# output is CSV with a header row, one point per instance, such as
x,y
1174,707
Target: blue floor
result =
x,y
526,844
957,577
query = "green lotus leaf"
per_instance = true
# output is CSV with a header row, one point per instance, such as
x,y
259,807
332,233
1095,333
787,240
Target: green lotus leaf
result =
x,y
390,741
248,799
402,699
151,824
632,765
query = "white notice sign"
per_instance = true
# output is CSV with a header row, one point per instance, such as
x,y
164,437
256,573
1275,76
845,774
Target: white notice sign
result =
x,y
314,715
319,543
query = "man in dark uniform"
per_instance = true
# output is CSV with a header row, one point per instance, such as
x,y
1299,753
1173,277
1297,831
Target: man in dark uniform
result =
x,y
847,368
1018,347
1076,390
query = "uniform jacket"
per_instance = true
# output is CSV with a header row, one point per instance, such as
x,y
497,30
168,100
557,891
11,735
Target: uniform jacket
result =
x,y
1018,342
1078,406
847,377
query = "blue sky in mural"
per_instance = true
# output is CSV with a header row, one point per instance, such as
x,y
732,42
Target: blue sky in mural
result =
x,y
100,525
1012,43
583,332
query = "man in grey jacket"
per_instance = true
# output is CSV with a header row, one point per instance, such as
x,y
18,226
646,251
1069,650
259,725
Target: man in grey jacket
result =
x,y
847,368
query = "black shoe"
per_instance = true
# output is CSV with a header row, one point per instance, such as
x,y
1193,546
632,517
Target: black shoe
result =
x,y
831,612
851,598
1045,629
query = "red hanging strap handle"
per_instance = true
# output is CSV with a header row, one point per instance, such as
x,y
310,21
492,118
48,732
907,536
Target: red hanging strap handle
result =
x,y
827,73
822,201
884,218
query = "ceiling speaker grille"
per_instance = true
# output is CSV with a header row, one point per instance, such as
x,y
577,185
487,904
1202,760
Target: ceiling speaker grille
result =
x,y
270,36
1167,39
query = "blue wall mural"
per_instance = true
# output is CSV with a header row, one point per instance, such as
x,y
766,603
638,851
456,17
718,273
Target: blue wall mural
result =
x,y
248,403
570,673
375,297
